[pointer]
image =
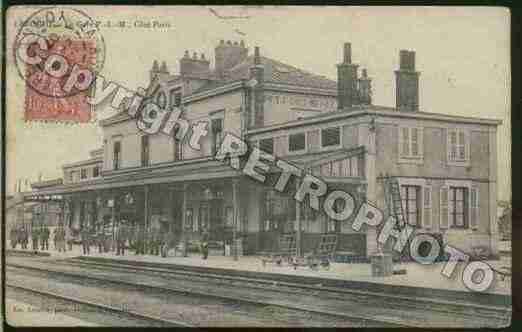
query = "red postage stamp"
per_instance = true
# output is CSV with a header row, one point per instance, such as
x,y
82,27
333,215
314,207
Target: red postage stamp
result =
x,y
58,54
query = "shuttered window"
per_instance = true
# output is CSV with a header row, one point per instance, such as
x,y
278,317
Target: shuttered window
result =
x,y
330,137
458,207
410,142
411,204
474,208
83,174
426,213
297,142
267,145
444,211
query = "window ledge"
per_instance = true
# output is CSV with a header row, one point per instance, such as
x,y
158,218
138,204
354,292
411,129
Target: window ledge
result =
x,y
298,152
330,147
410,160
464,163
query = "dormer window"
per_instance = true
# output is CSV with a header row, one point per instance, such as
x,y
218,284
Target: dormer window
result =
x,y
161,100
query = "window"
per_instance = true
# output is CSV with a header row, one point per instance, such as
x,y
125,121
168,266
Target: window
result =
x,y
296,142
96,171
117,155
217,134
411,204
83,174
267,145
458,145
410,143
330,137
175,97
458,207
334,226
144,150
178,150
278,210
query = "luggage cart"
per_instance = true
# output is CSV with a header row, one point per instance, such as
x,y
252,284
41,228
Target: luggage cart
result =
x,y
286,250
322,256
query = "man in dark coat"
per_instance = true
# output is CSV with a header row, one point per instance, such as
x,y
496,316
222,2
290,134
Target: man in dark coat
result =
x,y
44,237
140,240
121,237
85,237
13,235
204,243
35,234
23,237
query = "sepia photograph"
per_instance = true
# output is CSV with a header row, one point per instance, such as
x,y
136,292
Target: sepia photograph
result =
x,y
257,166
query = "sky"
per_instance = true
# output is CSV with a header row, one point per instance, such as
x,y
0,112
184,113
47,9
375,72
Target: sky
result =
x,y
463,54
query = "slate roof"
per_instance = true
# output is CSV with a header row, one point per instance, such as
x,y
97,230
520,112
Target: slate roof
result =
x,y
274,72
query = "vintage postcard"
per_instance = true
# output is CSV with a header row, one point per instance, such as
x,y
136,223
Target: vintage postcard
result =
x,y
258,166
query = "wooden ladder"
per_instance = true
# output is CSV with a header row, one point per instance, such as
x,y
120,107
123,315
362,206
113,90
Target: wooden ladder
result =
x,y
395,202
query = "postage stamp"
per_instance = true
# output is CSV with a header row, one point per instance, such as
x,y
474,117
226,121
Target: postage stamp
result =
x,y
58,51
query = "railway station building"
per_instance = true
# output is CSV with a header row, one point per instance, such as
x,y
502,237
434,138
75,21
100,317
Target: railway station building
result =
x,y
445,165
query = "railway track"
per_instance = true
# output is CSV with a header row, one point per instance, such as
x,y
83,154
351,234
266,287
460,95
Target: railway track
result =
x,y
355,319
465,309
134,317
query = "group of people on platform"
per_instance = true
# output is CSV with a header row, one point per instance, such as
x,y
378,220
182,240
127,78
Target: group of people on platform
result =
x,y
40,238
105,237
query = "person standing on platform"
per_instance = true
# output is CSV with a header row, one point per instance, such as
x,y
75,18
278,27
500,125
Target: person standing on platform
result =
x,y
13,236
59,238
85,238
166,239
44,237
121,237
99,237
140,240
54,238
204,243
35,234
23,237
107,235
155,241
68,238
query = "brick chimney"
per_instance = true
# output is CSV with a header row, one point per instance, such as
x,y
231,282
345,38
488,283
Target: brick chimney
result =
x,y
229,54
347,93
407,83
365,88
197,66
257,72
